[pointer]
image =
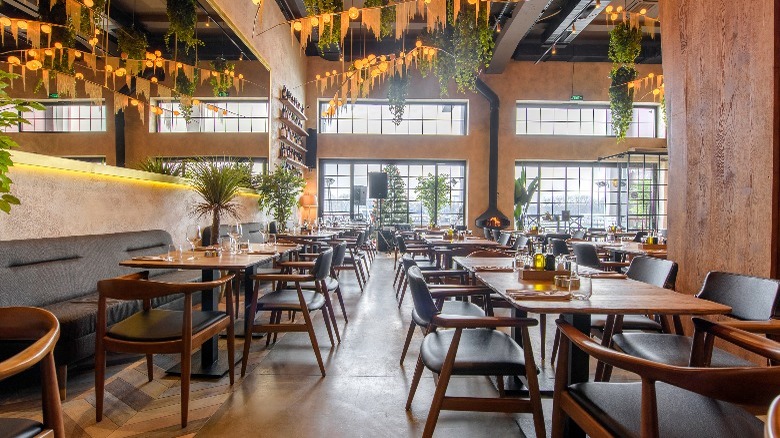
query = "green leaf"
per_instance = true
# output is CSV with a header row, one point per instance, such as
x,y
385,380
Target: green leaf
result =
x,y
10,199
5,206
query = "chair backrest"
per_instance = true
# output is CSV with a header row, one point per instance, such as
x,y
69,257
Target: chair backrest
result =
x,y
639,236
586,255
321,269
496,234
272,228
652,270
561,236
579,234
520,241
559,247
503,238
361,239
750,298
424,304
401,242
27,324
461,228
408,262
488,233
339,252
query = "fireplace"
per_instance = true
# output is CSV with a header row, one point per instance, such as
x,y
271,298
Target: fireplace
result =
x,y
492,217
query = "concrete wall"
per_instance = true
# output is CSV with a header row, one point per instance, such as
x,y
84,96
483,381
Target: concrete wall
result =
x,y
520,81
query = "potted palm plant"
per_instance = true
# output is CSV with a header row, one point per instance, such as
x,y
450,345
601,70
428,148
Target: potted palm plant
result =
x,y
279,192
217,184
523,196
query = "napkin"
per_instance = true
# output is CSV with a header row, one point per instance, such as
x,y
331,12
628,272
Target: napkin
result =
x,y
149,258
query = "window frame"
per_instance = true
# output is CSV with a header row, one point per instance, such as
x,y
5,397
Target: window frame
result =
x,y
29,128
156,122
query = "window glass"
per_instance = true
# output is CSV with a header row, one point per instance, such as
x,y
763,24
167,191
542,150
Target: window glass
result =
x,y
63,115
230,116
374,117
589,119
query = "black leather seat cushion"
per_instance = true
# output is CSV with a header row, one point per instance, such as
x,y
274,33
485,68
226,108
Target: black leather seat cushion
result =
x,y
19,428
481,352
161,325
671,349
287,299
460,308
681,413
331,283
630,322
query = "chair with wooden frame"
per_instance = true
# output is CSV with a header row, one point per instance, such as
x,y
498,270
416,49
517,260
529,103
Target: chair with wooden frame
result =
x,y
670,400
772,424
159,331
753,301
412,250
294,300
358,259
472,348
40,326
331,282
431,273
587,255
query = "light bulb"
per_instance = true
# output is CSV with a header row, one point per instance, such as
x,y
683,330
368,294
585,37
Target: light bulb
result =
x,y
149,64
179,65
642,11
77,54
58,46
154,79
297,26
613,17
48,52
195,102
554,50
79,76
598,4
21,24
359,64
353,13
5,21
326,19
33,65
656,92
619,9
45,28
608,9
120,72
88,3
315,21
14,60
257,2
158,63
133,102
318,77
33,53
109,68
157,53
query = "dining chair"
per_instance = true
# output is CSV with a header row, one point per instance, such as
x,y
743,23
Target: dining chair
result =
x,y
159,331
331,282
520,243
670,400
358,259
39,330
471,346
752,299
639,236
412,250
503,238
772,424
559,247
587,255
294,299
488,233
432,273
579,234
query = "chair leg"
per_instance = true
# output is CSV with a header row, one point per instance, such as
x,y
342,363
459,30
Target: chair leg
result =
x,y
341,302
186,366
438,400
271,320
278,320
397,273
556,342
329,313
100,380
313,339
231,344
418,370
248,336
150,366
326,318
543,333
50,398
403,292
62,381
409,335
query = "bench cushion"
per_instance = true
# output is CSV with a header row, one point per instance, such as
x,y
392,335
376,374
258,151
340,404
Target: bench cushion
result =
x,y
19,428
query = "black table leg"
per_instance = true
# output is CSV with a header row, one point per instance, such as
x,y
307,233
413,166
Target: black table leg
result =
x,y
579,363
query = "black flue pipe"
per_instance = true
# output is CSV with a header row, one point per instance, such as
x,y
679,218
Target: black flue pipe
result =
x,y
492,211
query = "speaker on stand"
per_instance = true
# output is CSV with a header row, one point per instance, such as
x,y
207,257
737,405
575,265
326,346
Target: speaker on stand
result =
x,y
377,189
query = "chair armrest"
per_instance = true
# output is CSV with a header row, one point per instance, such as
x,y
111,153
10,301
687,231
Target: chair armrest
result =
x,y
27,323
294,264
771,327
283,277
458,292
444,273
446,321
308,255
611,264
741,338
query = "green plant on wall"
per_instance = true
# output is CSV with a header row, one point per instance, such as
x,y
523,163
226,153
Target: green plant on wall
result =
x,y
397,91
222,80
185,88
182,18
387,19
132,42
524,194
217,183
65,34
329,33
161,166
279,192
98,14
625,44
434,192
10,116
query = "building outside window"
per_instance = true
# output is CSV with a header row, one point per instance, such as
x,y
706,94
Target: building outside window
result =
x,y
585,119
344,191
440,117
239,115
628,191
64,115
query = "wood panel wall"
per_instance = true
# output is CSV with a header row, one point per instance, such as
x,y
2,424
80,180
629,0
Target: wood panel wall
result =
x,y
720,65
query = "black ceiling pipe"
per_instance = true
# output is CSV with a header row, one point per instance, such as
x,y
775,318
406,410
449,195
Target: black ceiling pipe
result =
x,y
492,217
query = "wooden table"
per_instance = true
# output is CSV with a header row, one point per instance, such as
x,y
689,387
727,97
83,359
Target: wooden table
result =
x,y
610,296
210,364
319,235
634,248
473,244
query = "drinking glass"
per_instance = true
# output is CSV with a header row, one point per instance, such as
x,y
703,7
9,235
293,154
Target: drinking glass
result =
x,y
193,235
174,253
585,291
225,244
234,230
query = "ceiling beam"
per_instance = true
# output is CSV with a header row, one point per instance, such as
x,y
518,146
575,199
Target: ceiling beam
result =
x,y
516,28
577,13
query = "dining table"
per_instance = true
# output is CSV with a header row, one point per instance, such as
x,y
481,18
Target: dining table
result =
x,y
209,363
611,296
618,250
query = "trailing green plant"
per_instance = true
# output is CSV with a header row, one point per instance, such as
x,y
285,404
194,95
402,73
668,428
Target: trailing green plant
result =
x,y
98,11
132,42
223,80
185,88
279,192
466,46
524,194
663,110
621,100
161,166
625,44
394,209
434,192
329,33
397,91
387,15
217,183
65,33
10,116
182,18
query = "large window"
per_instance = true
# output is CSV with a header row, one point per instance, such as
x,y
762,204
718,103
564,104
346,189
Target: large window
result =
x,y
64,116
630,192
374,117
586,119
344,191
259,166
234,115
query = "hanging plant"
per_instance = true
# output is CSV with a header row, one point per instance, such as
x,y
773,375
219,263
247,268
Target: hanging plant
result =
x,y
621,100
132,43
329,33
625,44
183,17
387,17
65,34
221,77
185,88
396,96
97,12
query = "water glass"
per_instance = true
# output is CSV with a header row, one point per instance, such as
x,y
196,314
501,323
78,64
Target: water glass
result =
x,y
585,291
193,235
225,244
174,253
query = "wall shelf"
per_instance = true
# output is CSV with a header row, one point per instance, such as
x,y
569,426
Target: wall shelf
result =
x,y
295,146
297,129
293,108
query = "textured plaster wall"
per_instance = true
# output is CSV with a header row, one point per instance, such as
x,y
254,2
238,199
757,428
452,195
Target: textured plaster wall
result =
x,y
520,81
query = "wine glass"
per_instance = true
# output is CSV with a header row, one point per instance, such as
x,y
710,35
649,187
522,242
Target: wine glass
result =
x,y
234,231
193,235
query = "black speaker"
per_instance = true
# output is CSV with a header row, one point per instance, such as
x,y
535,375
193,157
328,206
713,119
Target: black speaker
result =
x,y
359,197
311,149
377,185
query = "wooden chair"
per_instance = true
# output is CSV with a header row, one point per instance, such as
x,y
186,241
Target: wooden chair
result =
x,y
42,328
772,424
587,255
753,300
430,272
294,300
411,250
159,331
472,348
331,282
670,400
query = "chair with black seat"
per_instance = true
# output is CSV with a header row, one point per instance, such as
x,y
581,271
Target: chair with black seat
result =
x,y
155,330
440,292
751,299
639,236
550,236
472,348
579,234
332,282
503,238
356,259
559,247
587,255
412,250
520,244
38,330
294,300
670,400
488,233
432,273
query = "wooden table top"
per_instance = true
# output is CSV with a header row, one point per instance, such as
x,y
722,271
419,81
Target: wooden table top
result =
x,y
319,235
468,242
471,263
610,296
227,262
633,248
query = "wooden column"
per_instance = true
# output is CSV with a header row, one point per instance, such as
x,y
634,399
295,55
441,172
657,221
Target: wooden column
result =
x,y
720,62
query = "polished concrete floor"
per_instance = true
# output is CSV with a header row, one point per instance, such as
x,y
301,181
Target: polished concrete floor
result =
x,y
365,389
